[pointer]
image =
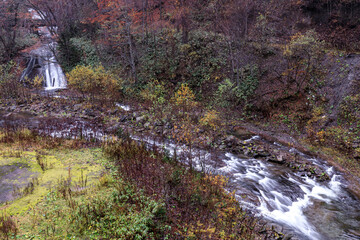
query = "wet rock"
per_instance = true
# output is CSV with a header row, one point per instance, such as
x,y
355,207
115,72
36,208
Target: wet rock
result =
x,y
280,158
230,138
140,119
123,119
140,130
248,152
113,129
276,231
112,112
261,153
355,233
242,133
232,141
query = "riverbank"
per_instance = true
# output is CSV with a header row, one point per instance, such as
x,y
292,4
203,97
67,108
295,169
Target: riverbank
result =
x,y
61,114
121,190
137,120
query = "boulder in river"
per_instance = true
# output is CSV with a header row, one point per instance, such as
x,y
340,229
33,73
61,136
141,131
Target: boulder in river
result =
x,y
279,158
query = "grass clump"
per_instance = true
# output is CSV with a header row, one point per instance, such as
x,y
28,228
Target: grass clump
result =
x,y
115,210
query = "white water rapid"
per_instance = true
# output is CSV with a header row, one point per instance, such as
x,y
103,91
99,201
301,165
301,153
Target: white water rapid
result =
x,y
309,209
303,206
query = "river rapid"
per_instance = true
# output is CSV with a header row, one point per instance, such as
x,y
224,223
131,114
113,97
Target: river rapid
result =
x,y
302,206
306,208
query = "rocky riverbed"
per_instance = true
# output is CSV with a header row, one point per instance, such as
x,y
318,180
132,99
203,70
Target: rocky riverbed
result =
x,y
110,119
258,152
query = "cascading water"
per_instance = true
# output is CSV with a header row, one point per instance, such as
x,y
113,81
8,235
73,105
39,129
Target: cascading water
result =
x,y
310,209
47,66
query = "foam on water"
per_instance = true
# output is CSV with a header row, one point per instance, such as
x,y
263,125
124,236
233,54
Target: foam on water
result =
x,y
122,106
54,76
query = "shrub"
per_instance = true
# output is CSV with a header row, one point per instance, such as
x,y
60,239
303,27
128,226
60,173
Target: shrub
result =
x,y
317,120
86,50
198,206
201,62
7,226
303,54
210,119
10,86
350,110
95,81
338,137
155,92
69,55
231,93
185,98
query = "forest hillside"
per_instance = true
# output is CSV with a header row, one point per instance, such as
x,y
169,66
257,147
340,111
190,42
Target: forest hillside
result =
x,y
180,119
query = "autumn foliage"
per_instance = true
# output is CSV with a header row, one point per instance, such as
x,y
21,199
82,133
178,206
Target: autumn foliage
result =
x,y
94,81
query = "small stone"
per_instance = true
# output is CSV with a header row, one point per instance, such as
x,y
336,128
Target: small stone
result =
x,y
123,119
280,159
140,119
230,138
90,113
222,147
141,129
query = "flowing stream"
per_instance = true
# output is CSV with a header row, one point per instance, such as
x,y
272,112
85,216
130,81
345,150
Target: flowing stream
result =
x,y
42,61
301,205
308,208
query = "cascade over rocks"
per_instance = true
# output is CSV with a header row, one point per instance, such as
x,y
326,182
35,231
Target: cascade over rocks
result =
x,y
42,61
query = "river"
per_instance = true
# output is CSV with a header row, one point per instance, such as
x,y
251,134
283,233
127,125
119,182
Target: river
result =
x,y
304,206
308,208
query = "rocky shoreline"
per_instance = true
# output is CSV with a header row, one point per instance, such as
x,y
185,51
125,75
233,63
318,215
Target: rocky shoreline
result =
x,y
114,118
266,147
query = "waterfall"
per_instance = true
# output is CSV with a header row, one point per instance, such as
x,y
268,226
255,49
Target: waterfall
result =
x,y
43,62
54,76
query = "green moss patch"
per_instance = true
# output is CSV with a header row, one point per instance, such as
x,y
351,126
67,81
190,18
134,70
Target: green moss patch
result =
x,y
38,172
